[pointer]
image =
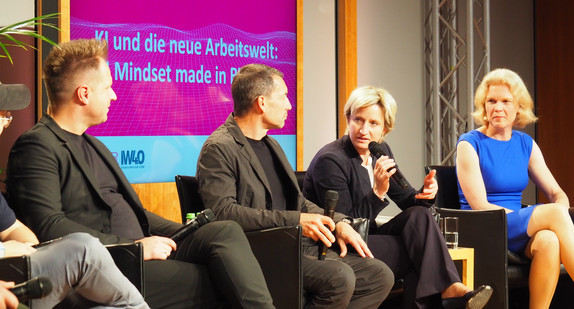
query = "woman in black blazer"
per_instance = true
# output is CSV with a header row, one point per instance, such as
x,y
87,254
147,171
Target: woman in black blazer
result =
x,y
411,243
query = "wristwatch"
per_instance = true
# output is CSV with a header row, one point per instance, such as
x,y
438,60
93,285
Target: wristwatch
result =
x,y
349,221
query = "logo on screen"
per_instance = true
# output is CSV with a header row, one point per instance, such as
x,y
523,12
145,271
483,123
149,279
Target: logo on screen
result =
x,y
132,157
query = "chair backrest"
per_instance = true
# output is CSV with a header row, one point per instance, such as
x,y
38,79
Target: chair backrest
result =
x,y
188,192
300,178
447,195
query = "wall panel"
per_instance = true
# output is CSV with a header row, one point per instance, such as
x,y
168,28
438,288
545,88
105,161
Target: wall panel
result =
x,y
554,31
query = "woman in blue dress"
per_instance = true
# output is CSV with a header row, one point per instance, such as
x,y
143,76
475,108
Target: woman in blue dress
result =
x,y
494,163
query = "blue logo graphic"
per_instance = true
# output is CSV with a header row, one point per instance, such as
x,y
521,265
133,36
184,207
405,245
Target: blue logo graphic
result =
x,y
132,157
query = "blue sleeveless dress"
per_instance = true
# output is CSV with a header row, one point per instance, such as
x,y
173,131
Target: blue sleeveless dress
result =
x,y
504,167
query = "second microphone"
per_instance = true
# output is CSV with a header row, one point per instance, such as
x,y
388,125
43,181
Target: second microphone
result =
x,y
331,199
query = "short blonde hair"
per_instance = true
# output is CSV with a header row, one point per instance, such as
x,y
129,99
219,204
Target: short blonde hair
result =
x,y
368,95
524,115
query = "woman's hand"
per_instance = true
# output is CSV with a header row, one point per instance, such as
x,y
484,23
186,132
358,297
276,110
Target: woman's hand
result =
x,y
384,169
430,187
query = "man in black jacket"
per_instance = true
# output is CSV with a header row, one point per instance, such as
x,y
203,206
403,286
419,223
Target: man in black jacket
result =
x,y
62,180
78,267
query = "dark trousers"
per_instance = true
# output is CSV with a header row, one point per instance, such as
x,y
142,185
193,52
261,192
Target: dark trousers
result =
x,y
349,282
212,268
412,245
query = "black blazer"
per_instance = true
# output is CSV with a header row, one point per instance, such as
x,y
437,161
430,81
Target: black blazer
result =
x,y
53,191
234,185
337,166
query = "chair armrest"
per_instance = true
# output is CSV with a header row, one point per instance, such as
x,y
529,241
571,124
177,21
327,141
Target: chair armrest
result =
x,y
485,231
279,254
129,259
361,225
15,269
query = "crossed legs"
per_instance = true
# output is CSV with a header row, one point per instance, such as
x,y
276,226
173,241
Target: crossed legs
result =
x,y
552,243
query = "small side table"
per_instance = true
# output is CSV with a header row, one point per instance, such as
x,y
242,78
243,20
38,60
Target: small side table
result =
x,y
466,255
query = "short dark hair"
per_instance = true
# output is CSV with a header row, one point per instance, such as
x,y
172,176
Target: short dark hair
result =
x,y
66,60
252,80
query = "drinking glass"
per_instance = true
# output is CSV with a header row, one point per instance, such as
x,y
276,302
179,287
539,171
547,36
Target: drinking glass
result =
x,y
451,232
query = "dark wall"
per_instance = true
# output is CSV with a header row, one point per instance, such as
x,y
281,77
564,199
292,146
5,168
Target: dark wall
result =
x,y
554,37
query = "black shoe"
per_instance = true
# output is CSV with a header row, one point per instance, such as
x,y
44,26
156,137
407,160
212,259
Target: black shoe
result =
x,y
472,300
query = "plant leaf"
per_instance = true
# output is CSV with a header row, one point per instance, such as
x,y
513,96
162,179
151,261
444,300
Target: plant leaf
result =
x,y
25,27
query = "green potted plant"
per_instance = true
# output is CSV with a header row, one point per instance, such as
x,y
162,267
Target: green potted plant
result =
x,y
28,28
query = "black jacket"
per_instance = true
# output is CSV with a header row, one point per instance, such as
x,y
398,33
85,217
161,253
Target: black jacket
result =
x,y
337,166
53,191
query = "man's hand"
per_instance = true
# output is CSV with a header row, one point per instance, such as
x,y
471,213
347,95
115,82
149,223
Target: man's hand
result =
x,y
16,248
7,299
157,247
314,226
347,235
430,187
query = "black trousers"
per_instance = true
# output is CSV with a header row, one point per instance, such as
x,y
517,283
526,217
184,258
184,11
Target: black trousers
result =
x,y
412,245
349,282
212,268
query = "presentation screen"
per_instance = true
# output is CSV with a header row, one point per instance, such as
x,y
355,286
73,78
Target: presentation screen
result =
x,y
172,63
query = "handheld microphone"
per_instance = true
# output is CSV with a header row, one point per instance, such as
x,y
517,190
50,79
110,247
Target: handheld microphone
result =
x,y
31,289
377,150
200,220
331,199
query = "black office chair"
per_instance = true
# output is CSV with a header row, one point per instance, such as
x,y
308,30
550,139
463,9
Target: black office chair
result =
x,y
277,250
485,231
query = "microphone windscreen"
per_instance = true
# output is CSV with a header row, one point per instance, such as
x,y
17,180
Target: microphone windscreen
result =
x,y
41,287
14,97
32,289
331,195
376,149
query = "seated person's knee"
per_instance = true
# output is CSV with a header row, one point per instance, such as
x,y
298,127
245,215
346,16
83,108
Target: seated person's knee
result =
x,y
545,241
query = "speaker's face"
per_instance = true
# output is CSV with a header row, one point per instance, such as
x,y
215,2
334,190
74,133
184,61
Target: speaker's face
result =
x,y
366,125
